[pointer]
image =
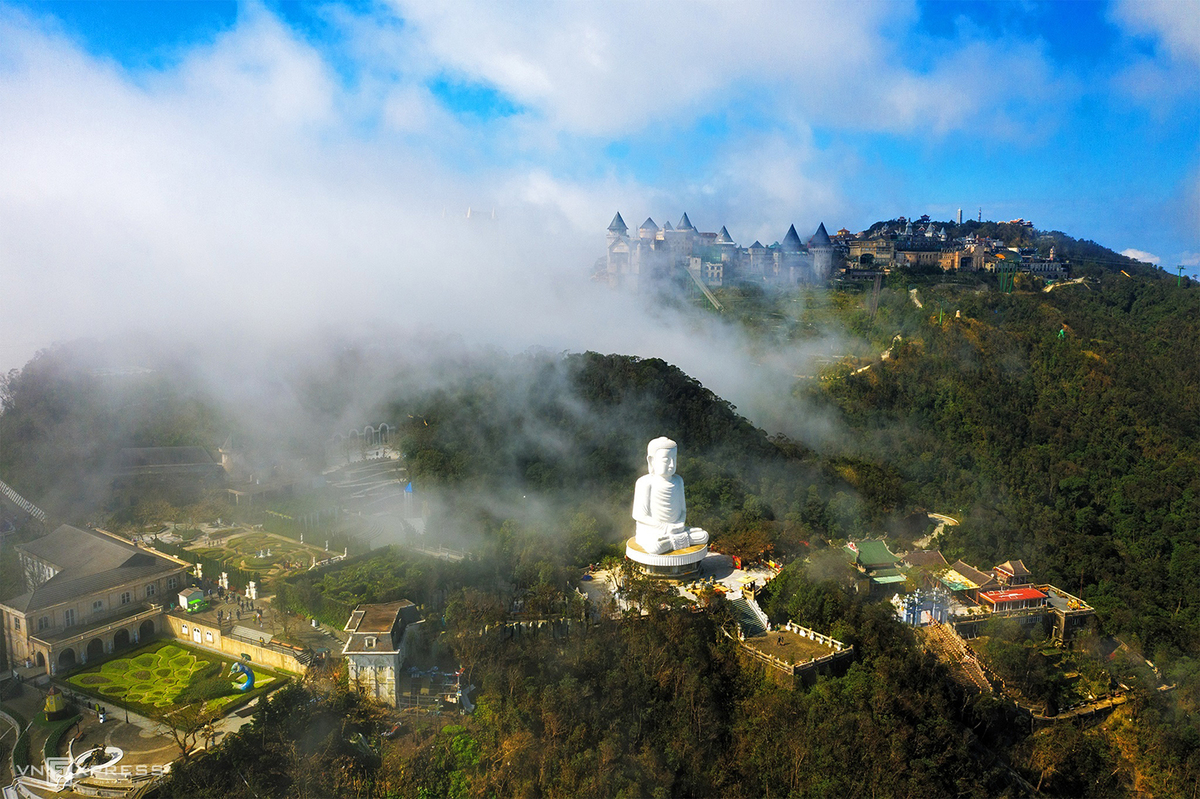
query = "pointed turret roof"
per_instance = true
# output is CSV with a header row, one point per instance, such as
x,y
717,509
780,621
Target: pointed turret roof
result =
x,y
792,240
723,237
648,224
685,223
820,238
618,224
667,226
757,245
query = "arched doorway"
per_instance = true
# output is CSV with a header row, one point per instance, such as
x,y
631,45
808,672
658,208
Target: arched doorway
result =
x,y
66,658
121,639
146,630
95,649
41,660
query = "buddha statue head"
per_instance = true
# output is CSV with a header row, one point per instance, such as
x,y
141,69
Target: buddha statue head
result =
x,y
661,454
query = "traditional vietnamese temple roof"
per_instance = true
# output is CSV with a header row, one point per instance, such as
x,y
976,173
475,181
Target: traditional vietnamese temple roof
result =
x,y
871,554
1014,568
926,558
955,581
1011,595
888,576
962,576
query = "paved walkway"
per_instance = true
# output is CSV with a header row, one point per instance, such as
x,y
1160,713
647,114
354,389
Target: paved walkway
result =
x,y
147,745
715,568
718,568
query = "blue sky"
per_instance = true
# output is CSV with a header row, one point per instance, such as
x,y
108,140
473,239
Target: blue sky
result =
x,y
159,149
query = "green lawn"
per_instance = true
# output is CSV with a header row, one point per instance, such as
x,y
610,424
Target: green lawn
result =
x,y
164,674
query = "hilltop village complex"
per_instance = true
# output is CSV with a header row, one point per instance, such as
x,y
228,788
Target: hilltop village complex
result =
x,y
636,259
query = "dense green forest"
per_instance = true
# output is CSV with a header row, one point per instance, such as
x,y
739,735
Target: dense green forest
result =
x,y
1079,452
572,430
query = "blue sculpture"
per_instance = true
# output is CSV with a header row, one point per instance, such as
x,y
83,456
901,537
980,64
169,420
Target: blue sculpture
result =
x,y
239,667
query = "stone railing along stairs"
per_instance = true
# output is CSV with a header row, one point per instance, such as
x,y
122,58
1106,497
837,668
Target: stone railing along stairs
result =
x,y
22,503
750,618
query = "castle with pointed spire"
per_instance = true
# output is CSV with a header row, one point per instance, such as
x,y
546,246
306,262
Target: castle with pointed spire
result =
x,y
634,260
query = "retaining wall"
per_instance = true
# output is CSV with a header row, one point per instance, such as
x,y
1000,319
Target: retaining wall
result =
x,y
206,636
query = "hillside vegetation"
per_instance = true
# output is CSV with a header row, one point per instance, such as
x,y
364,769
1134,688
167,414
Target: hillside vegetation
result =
x,y
1062,428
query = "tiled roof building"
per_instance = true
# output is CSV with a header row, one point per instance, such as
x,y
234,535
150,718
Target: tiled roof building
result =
x,y
88,593
377,647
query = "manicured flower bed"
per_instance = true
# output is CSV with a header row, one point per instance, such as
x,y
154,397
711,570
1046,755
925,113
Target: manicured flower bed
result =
x,y
163,675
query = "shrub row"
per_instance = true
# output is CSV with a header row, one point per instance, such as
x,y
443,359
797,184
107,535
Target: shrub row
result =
x,y
50,749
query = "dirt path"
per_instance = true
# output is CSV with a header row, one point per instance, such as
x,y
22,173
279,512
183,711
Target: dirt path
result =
x,y
942,520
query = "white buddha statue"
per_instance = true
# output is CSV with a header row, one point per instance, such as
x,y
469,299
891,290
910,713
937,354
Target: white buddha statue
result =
x,y
658,504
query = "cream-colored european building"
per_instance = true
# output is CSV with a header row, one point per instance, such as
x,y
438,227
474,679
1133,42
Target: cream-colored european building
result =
x,y
378,644
87,593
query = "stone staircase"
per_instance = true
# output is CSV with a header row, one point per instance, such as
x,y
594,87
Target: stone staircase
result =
x,y
748,620
22,503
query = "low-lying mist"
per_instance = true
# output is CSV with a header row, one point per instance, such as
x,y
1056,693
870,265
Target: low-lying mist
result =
x,y
546,438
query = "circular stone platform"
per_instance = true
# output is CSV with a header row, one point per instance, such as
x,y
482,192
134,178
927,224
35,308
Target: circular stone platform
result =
x,y
677,564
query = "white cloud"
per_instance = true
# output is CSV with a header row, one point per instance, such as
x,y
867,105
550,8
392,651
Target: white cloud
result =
x,y
611,69
1141,255
253,185
236,199
766,182
1169,75
1175,23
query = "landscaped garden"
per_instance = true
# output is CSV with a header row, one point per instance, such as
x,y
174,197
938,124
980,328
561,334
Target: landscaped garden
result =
x,y
241,552
163,675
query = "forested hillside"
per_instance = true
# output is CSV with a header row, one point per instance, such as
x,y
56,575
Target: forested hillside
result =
x,y
1062,428
1065,426
536,439
658,705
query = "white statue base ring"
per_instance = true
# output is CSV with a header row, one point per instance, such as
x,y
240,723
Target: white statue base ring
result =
x,y
676,564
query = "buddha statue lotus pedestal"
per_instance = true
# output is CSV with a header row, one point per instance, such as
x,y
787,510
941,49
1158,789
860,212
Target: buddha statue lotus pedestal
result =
x,y
663,545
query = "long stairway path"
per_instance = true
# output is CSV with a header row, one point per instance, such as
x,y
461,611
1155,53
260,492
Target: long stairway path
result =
x,y
747,619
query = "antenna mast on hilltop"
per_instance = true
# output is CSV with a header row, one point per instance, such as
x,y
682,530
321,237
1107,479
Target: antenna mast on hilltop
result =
x,y
981,214
1179,280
